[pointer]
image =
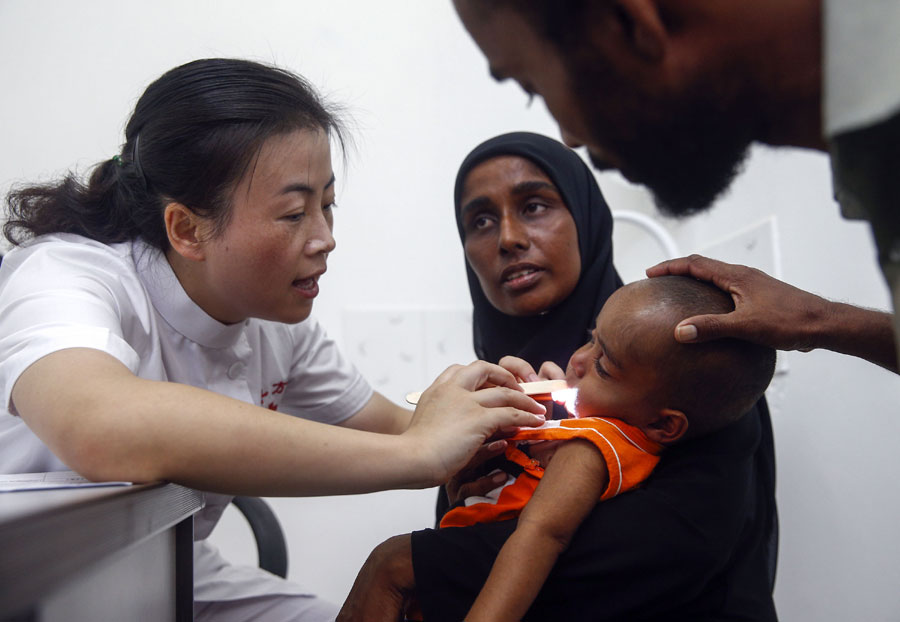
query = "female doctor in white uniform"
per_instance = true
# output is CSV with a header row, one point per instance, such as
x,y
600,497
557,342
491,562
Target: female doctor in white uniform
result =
x,y
154,325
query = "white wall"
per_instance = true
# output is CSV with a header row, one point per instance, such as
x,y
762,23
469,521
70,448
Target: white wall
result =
x,y
421,98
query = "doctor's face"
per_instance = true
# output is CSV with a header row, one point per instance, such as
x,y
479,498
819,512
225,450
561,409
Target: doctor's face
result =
x,y
268,260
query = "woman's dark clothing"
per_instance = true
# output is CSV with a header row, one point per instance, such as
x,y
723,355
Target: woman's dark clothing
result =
x,y
692,544
696,542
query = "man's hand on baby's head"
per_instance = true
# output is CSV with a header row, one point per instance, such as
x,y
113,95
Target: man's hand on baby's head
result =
x,y
767,311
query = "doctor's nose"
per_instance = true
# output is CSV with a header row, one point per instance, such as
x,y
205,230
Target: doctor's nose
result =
x,y
316,246
320,244
321,240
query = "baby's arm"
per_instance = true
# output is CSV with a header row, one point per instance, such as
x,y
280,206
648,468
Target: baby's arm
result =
x,y
572,485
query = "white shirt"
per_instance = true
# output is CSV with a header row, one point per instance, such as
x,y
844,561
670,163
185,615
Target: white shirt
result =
x,y
862,63
63,291
861,112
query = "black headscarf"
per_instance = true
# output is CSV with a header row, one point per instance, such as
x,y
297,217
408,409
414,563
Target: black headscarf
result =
x,y
555,335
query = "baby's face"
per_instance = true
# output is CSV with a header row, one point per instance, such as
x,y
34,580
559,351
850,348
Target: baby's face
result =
x,y
610,380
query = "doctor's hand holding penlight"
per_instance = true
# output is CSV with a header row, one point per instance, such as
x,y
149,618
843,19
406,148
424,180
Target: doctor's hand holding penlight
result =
x,y
469,403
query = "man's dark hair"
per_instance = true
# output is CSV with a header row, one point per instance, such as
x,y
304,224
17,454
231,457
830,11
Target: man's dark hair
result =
x,y
562,22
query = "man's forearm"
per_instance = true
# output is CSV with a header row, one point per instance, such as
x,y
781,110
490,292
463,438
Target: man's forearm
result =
x,y
860,332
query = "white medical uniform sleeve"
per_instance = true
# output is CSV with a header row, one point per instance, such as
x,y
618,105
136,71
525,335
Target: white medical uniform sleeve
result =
x,y
55,296
324,385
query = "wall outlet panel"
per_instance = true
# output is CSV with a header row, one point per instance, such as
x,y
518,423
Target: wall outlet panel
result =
x,y
756,246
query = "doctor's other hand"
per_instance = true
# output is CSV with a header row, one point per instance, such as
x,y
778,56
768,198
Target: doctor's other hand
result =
x,y
462,409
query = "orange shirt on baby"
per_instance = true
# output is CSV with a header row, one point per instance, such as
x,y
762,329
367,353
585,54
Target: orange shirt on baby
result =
x,y
630,457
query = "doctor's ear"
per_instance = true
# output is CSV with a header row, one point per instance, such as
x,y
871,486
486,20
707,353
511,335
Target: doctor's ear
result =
x,y
670,426
186,231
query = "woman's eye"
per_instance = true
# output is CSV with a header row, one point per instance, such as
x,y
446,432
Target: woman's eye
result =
x,y
330,207
295,217
534,208
480,222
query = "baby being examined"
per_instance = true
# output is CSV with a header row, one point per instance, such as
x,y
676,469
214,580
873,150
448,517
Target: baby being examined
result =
x,y
637,390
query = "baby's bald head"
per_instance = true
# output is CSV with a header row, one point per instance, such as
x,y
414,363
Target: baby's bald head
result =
x,y
712,383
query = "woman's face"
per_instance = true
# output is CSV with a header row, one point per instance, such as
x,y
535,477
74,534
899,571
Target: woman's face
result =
x,y
520,238
267,262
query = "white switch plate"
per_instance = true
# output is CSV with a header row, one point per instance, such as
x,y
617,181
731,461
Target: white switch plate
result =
x,y
757,247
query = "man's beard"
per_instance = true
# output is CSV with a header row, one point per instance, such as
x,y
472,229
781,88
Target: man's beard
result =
x,y
687,159
685,177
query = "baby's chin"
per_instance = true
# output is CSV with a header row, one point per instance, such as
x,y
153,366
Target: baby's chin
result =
x,y
580,412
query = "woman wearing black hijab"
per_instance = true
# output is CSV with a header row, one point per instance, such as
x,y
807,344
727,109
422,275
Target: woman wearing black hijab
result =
x,y
696,542
548,334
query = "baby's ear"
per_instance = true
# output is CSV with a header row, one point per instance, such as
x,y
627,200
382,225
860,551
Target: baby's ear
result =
x,y
670,426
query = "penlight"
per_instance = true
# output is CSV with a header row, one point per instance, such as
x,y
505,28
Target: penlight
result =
x,y
567,398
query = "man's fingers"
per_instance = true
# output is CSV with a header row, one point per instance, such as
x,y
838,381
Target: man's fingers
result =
x,y
697,266
720,273
702,328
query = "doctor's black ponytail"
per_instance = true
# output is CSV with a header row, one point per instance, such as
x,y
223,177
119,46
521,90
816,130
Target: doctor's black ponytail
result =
x,y
191,137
